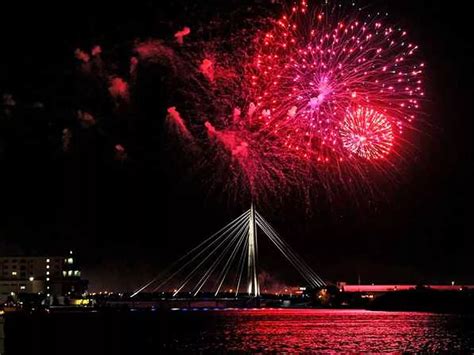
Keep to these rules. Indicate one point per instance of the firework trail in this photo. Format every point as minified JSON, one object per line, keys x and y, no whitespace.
{"x":181,"y":34}
{"x":207,"y":69}
{"x":82,"y":55}
{"x":96,"y":51}
{"x":176,"y":121}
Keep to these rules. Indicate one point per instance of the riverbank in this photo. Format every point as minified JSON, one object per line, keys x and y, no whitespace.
{"x":458,"y":302}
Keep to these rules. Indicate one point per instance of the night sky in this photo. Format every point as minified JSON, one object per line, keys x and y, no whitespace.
{"x":126,"y":220}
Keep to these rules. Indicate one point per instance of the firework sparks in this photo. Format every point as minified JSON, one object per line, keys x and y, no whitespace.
{"x":81,"y":55}
{"x":118,"y":89}
{"x":316,"y":63}
{"x":366,"y":133}
{"x":320,"y":95}
{"x":207,"y":69}
{"x":318,"y":86}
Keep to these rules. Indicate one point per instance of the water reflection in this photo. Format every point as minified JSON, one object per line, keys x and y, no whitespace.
{"x":328,"y":330}
{"x":259,"y":330}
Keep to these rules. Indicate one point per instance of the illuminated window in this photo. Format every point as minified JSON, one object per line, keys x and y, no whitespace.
{"x":70,"y":260}
{"x":77,"y":273}
{"x":47,"y":272}
{"x":47,"y":266}
{"x":47,"y":260}
{"x":31,"y":278}
{"x":64,"y":273}
{"x":69,"y":273}
{"x":22,"y":287}
{"x":13,"y":273}
{"x":47,"y":279}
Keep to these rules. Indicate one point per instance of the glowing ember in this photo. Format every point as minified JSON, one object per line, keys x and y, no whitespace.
{"x":118,"y":88}
{"x":81,"y":55}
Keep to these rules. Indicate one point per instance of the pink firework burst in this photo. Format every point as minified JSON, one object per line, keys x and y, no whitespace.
{"x":314,"y":64}
{"x":366,"y":133}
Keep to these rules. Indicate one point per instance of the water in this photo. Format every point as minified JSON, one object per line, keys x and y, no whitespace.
{"x":333,"y":330}
{"x":244,"y":330}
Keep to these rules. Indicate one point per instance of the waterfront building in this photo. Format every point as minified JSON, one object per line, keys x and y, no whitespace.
{"x":44,"y":275}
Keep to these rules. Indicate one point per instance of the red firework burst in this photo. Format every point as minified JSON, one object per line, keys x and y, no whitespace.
{"x":320,"y":85}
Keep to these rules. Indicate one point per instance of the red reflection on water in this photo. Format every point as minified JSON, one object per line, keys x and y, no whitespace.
{"x":329,"y":330}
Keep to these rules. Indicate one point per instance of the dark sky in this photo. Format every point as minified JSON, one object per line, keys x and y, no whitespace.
{"x":127,"y":220}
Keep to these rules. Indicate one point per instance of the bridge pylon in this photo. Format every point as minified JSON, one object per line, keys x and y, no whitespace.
{"x":227,"y":262}
{"x":253,"y":287}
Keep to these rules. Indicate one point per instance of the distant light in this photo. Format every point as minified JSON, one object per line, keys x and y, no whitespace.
{"x":47,"y":266}
{"x":31,"y":278}
{"x":14,"y":273}
{"x":22,"y":287}
{"x":47,"y":279}
{"x":452,"y":283}
{"x":47,"y":260}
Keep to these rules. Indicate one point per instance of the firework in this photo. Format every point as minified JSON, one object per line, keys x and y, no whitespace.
{"x":320,"y":95}
{"x":176,"y":122}
{"x":315,"y":64}
{"x":181,"y":34}
{"x":325,"y":94}
{"x":118,"y":89}
{"x":367,"y":133}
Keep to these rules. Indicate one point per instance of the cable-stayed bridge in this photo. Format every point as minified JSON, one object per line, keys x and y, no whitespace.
{"x":228,"y":257}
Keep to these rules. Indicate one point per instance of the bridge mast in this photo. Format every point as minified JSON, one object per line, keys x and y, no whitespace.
{"x":253,"y":286}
